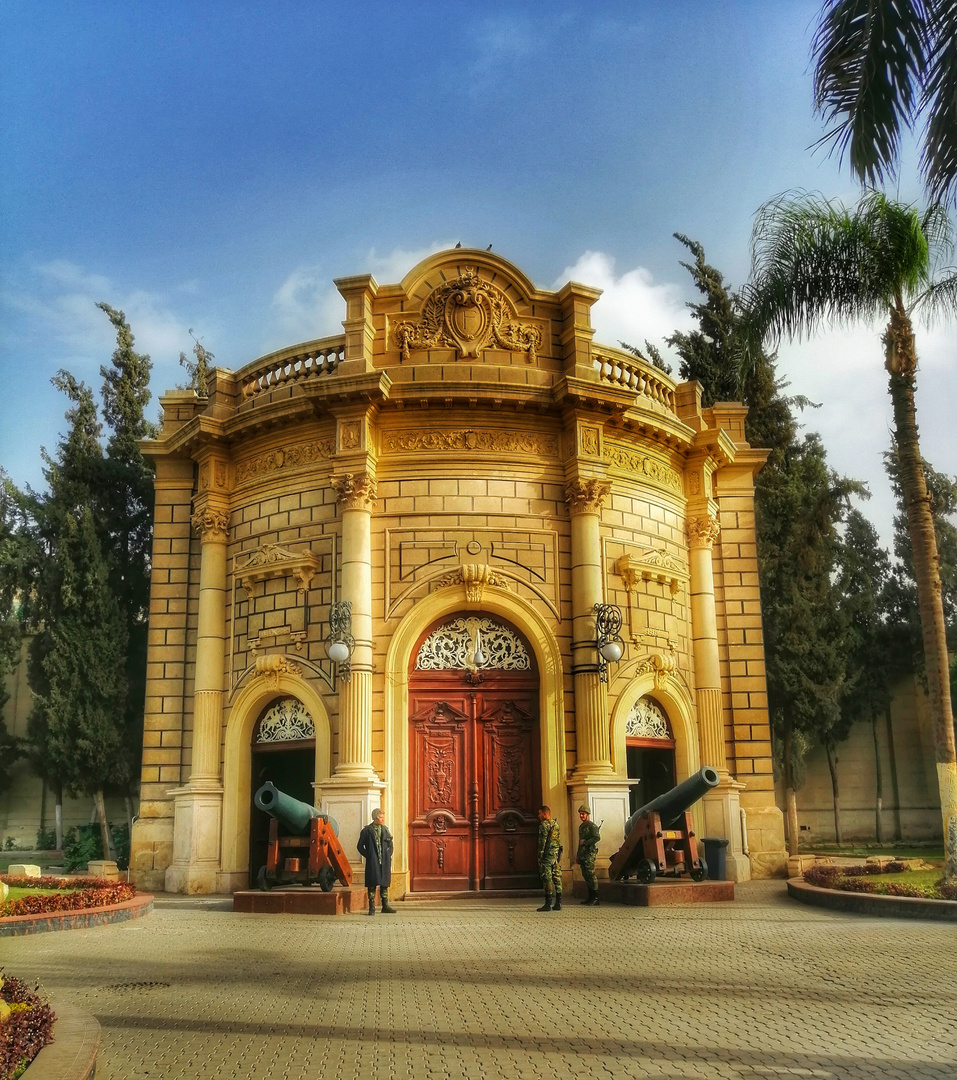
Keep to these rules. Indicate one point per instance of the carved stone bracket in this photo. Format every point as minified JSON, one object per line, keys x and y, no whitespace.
{"x":469,"y":315}
{"x":212,"y":525}
{"x":354,"y":491}
{"x":662,"y":665}
{"x":703,"y":531}
{"x":652,"y":564}
{"x":271,"y":667}
{"x":474,"y":576}
{"x":586,"y":496}
{"x":272,"y":561}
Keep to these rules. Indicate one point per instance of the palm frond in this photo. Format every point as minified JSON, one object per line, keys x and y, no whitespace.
{"x":939,"y":302}
{"x":939,"y":103}
{"x":869,"y":58}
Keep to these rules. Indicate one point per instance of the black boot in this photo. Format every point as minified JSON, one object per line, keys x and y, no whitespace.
{"x":371,"y":910}
{"x":386,"y":908}
{"x":547,"y":906}
{"x":558,"y":902}
{"x":592,"y":900}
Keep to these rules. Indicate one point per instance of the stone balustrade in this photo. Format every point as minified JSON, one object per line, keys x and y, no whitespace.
{"x":293,"y":366}
{"x":631,"y":374}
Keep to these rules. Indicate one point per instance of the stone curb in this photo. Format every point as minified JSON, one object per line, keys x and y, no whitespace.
{"x":893,"y":907}
{"x":17,"y":925}
{"x":72,"y":1054}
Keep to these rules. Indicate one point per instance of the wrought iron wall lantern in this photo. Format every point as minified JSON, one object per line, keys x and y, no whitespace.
{"x":340,"y":642}
{"x":608,"y":639}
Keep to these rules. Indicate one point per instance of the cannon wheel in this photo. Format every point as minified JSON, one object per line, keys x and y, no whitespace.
{"x":327,"y":878}
{"x":646,"y":872}
{"x":700,"y":872}
{"x":262,"y":881}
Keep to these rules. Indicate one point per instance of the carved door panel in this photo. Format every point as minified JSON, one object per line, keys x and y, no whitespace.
{"x":475,"y":786}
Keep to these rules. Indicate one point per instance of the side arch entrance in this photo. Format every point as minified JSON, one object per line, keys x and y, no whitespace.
{"x":474,"y":747}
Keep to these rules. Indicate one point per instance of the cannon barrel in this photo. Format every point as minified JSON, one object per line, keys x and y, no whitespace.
{"x":289,"y":812}
{"x":670,"y":806}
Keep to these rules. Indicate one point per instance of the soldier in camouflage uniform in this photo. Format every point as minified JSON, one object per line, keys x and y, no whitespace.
{"x":549,"y":851}
{"x":588,"y":836}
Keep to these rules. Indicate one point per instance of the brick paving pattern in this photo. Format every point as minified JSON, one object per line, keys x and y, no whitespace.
{"x":759,"y":988}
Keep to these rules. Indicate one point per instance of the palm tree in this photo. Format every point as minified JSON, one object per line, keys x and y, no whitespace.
{"x":883,"y":65}
{"x":814,"y":262}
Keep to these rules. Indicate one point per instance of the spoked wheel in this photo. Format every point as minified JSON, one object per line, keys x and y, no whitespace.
{"x":646,"y":872}
{"x":262,"y":881}
{"x":700,"y":872}
{"x":327,"y":878}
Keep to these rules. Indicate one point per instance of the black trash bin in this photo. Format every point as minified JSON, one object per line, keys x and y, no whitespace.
{"x":714,"y":848}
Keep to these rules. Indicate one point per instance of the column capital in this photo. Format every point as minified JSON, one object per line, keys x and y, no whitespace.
{"x":212,"y":524}
{"x":703,"y":531}
{"x":586,"y":496}
{"x":355,"y":491}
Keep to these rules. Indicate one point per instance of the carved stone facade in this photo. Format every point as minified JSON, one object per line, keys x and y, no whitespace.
{"x":467,"y":473}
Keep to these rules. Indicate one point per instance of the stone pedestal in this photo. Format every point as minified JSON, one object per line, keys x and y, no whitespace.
{"x":608,"y":799}
{"x":197,"y":824}
{"x":351,"y":803}
{"x":765,"y":841}
{"x":721,"y":812}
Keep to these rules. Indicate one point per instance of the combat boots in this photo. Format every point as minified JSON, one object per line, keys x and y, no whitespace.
{"x":547,"y":906}
{"x":592,"y":900}
{"x":371,"y":910}
{"x":387,"y":909}
{"x":558,"y":902}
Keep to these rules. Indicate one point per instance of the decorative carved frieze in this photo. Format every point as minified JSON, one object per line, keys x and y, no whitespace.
{"x":651,"y":564}
{"x":647,"y":721}
{"x":212,"y":525}
{"x":474,"y":576}
{"x":288,"y":720}
{"x":644,"y":465}
{"x":703,"y":531}
{"x":289,"y":457}
{"x":272,"y":561}
{"x":453,"y":646}
{"x":468,"y":315}
{"x":354,"y":491}
{"x":468,"y":439}
{"x":586,"y":496}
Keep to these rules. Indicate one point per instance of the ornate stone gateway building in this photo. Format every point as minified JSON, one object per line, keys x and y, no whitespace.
{"x":396,"y":567}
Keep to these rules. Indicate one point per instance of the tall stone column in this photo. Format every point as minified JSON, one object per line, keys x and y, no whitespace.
{"x":722,"y":810}
{"x":197,"y":815}
{"x":354,"y":790}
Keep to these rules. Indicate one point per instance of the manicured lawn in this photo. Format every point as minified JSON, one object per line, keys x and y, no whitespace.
{"x":16,"y":894}
{"x":924,"y":879}
{"x":861,"y":851}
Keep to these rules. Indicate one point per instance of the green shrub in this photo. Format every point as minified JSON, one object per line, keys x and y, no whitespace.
{"x":46,"y":839}
{"x":81,"y":844}
{"x":121,"y":844}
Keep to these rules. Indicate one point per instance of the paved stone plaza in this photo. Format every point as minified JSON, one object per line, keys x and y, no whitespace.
{"x":493,"y":989}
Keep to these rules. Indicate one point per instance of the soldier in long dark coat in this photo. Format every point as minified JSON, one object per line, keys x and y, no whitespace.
{"x":375,"y":846}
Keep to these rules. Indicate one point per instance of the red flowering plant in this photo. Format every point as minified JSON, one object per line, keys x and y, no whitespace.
{"x":73,"y":894}
{"x":26,"y":1026}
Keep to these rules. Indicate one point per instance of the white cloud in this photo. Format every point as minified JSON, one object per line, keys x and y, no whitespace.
{"x":306,"y":306}
{"x":632,"y":307}
{"x":388,"y":269}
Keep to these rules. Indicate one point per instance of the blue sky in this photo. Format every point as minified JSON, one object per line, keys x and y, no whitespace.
{"x":214,"y":166}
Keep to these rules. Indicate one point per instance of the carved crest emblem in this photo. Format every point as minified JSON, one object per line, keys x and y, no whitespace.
{"x":468,"y":314}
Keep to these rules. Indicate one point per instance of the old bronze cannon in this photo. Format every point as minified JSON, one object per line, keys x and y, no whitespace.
{"x":659,"y":837}
{"x":304,"y":827}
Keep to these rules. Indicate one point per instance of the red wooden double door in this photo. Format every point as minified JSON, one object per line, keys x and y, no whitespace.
{"x":475,"y":781}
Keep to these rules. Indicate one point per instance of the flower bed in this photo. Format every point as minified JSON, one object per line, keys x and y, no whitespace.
{"x":26,"y":1026}
{"x":73,"y":894}
{"x":854,"y":879}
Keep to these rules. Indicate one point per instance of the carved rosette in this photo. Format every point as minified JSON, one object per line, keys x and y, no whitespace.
{"x":355,"y":491}
{"x":586,"y":496}
{"x":212,"y":525}
{"x":474,"y":576}
{"x":703,"y":531}
{"x":468,"y":315}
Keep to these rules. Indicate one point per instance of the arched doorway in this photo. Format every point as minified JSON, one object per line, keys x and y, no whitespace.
{"x":475,"y":771}
{"x":284,"y":752}
{"x":650,"y":752}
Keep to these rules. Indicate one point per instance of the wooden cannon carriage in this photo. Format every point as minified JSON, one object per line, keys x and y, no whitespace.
{"x":659,"y":837}
{"x":307,"y":851}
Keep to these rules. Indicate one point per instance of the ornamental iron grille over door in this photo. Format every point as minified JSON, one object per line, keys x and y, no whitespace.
{"x":475,"y":784}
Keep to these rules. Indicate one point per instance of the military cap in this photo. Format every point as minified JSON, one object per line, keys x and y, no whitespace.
{"x":584,"y":809}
